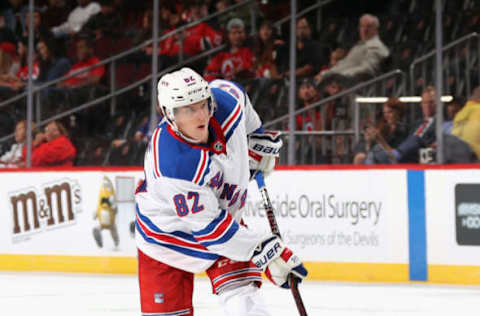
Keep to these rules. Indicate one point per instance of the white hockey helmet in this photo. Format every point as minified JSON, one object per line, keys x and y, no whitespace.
{"x":182,"y":88}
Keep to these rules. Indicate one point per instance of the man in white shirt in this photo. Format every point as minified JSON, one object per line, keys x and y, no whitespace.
{"x":365,"y":57}
{"x":77,"y":18}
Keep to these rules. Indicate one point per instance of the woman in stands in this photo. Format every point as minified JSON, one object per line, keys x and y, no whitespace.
{"x":390,"y":132}
{"x":53,"y":148}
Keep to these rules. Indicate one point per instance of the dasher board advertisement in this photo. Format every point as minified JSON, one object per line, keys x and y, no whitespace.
{"x":339,"y":215}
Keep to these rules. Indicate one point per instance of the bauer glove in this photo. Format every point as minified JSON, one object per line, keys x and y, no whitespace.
{"x":263,"y":149}
{"x":278,"y":261}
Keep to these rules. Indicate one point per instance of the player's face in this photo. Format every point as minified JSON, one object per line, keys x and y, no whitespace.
{"x":192,"y":120}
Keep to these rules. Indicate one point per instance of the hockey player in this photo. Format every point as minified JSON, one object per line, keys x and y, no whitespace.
{"x":189,"y":206}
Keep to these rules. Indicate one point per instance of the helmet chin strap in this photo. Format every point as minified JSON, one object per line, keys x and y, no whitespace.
{"x":188,"y":139}
{"x":180,"y":134}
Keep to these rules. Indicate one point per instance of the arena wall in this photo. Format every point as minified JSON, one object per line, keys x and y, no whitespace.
{"x":382,"y":224}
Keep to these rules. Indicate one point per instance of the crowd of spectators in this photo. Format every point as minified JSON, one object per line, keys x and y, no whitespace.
{"x":71,"y":36}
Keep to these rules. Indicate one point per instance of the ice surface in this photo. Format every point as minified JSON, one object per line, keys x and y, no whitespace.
{"x":54,"y":294}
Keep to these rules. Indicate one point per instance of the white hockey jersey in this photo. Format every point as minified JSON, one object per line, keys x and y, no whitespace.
{"x":189,"y":207}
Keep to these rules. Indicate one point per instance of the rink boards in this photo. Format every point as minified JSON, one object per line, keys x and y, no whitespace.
{"x":383,"y":224}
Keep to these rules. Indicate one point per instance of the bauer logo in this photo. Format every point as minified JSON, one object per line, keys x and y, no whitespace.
{"x":467,"y":213}
{"x":48,"y":206}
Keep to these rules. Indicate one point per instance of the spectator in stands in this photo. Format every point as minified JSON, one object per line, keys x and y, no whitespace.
{"x":423,"y":135}
{"x":466,"y":124}
{"x":310,"y":53}
{"x":53,"y":148}
{"x":56,"y":12}
{"x":365,"y":57}
{"x":77,"y":18}
{"x":265,"y":90}
{"x":265,"y":51}
{"x":236,"y":61}
{"x":18,"y":81}
{"x":51,"y":65}
{"x":85,"y":59}
{"x":39,"y":30}
{"x":310,"y":146}
{"x":337,"y":114}
{"x":80,"y":89}
{"x":197,"y":38}
{"x":13,"y":157}
{"x":307,"y":95}
{"x":143,"y":133}
{"x":128,"y":150}
{"x":9,"y":67}
{"x":195,"y":10}
{"x":390,"y":128}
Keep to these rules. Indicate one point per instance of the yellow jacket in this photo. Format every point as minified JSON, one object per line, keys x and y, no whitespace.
{"x":466,"y":125}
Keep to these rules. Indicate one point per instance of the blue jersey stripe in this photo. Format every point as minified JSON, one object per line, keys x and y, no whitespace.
{"x":183,"y":250}
{"x":207,"y":170}
{"x":213,"y":224}
{"x":154,"y":228}
{"x":234,"y":126}
{"x":226,"y":237}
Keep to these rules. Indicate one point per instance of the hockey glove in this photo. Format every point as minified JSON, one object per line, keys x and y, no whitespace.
{"x":278,"y":261}
{"x":263,"y":149}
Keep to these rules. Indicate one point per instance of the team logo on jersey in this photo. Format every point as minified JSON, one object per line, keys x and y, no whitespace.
{"x":218,"y":146}
{"x":158,"y":298}
{"x":229,"y":192}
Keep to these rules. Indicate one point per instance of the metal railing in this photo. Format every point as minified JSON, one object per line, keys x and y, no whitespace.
{"x":369,"y":87}
{"x":286,"y":19}
{"x":450,"y":62}
{"x":350,"y":90}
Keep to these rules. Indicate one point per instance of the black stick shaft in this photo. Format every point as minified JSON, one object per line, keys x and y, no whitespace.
{"x":276,"y":231}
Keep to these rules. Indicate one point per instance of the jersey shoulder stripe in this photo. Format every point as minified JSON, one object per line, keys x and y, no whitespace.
{"x":226,"y":104}
{"x":177,"y":159}
{"x":229,"y":111}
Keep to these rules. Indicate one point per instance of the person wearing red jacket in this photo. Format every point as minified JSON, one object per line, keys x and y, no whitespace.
{"x":235,"y":62}
{"x":85,"y":58}
{"x":196,"y":38}
{"x":53,"y":147}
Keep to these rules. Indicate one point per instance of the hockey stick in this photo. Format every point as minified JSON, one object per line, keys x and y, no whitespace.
{"x":276,"y":231}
